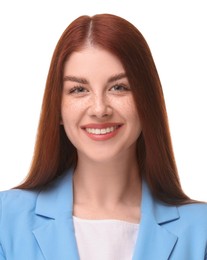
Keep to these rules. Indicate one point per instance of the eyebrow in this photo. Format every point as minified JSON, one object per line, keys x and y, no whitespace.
{"x":85,"y":81}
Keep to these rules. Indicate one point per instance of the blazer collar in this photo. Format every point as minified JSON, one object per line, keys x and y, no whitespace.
{"x":56,"y":235}
{"x":55,"y":206}
{"x":154,"y":240}
{"x":57,"y":198}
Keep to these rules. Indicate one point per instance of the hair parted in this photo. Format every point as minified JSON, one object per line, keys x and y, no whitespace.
{"x":54,"y":153}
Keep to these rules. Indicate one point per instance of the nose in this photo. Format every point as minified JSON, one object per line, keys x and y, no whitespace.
{"x":100,"y":107}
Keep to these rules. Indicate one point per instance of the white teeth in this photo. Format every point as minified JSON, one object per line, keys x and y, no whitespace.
{"x":101,"y":131}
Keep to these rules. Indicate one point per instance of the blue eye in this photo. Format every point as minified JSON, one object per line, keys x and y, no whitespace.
{"x":120,"y":88}
{"x":77,"y":90}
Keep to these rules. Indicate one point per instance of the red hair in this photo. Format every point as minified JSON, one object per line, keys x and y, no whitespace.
{"x":54,"y":153}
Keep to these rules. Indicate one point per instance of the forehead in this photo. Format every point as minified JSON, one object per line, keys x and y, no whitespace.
{"x":92,"y":61}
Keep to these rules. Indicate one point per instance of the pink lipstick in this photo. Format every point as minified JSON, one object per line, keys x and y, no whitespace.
{"x":102,"y":132}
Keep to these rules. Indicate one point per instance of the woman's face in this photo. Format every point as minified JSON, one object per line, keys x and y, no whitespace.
{"x":98,"y":111}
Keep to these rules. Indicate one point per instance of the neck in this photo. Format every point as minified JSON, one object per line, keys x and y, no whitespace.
{"x":107,"y":184}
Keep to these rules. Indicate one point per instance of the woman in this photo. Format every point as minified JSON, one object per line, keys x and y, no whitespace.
{"x":103,"y":183}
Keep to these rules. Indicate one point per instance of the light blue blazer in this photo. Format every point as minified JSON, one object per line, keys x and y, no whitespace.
{"x":39,"y":225}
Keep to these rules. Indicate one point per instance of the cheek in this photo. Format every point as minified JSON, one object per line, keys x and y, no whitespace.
{"x":69,"y":114}
{"x":68,"y":105}
{"x":70,"y":109}
{"x":128,"y":107}
{"x":133,"y":116}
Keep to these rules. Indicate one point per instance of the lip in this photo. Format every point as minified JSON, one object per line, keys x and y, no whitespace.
{"x":102,"y":137}
{"x":100,"y":126}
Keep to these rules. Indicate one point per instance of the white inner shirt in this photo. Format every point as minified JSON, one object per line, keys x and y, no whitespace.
{"x":107,"y":239}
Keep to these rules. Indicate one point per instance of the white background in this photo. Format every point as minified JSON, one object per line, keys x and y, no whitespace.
{"x":177,"y":35}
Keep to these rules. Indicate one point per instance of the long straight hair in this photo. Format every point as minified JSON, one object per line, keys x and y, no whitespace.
{"x":54,"y":153}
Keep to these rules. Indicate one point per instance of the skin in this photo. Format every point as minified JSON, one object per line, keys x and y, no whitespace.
{"x":97,"y":95}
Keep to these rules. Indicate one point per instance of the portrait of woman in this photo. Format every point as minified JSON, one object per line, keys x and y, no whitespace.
{"x":103,"y":182}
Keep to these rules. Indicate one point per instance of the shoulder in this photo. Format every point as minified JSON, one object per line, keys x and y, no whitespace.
{"x":194,"y":213}
{"x":17,"y":213}
{"x":18,"y":194}
{"x":14,"y":201}
{"x":191,"y":222}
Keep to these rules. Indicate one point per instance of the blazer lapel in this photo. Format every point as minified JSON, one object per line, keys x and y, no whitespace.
{"x":56,"y":236}
{"x":154,"y":240}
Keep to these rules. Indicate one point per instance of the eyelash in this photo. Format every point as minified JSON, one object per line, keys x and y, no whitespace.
{"x":81,"y":89}
{"x":124,"y":87}
{"x":76,"y":90}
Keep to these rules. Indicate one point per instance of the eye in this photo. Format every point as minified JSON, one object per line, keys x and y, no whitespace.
{"x":77,"y":90}
{"x":120,"y":88}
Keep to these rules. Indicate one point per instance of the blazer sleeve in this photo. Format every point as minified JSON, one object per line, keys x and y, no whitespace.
{"x":2,"y":257}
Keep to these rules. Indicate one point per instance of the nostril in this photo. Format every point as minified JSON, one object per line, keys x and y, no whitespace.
{"x":100,"y":111}
{"x":105,"y":115}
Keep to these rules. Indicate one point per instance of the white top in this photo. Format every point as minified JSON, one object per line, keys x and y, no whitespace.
{"x":106,"y":239}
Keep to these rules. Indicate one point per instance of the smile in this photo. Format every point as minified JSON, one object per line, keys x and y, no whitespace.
{"x":102,"y":131}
